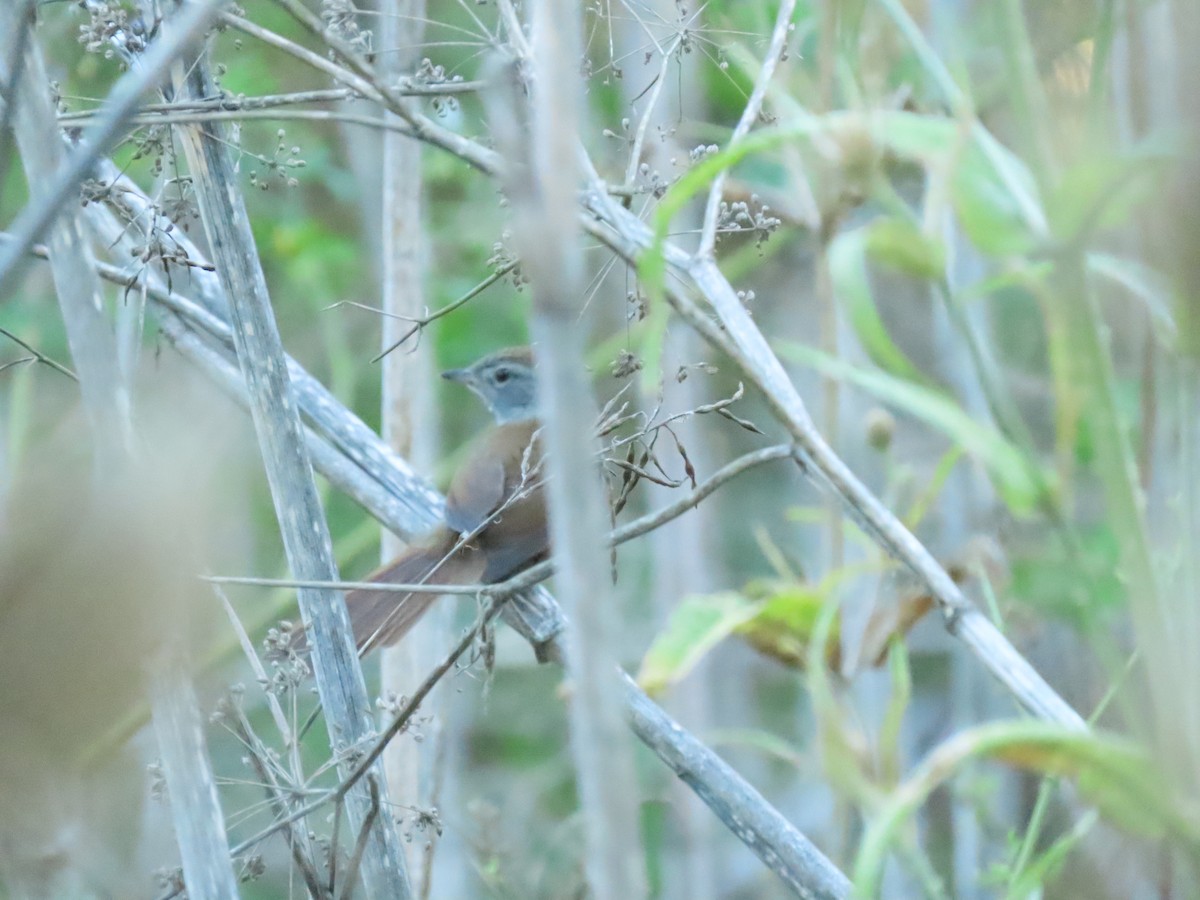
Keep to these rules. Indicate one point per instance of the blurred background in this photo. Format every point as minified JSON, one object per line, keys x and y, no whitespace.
{"x":980,"y":264}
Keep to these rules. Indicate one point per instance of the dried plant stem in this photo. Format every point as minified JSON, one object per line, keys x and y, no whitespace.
{"x":147,"y":111}
{"x":178,"y":33}
{"x":409,"y":424}
{"x":297,"y":839}
{"x":543,"y":180}
{"x":779,"y":36}
{"x":275,"y":412}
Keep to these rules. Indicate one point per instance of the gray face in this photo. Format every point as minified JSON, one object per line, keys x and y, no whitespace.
{"x":506,"y":385}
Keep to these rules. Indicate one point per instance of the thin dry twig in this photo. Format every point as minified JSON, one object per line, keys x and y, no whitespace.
{"x":38,"y":355}
{"x":779,"y":37}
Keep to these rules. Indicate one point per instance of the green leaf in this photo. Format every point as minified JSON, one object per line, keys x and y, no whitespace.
{"x":900,"y":244}
{"x":1012,"y":472}
{"x":851,"y":281}
{"x":697,"y":625}
{"x":990,"y":215}
{"x":1115,"y":774}
{"x":785,"y":620}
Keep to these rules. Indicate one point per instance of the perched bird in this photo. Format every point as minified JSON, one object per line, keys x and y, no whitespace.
{"x":495,"y":511}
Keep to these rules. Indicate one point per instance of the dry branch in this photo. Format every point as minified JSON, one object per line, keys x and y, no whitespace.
{"x":539,"y":146}
{"x":298,"y":509}
{"x":178,"y":33}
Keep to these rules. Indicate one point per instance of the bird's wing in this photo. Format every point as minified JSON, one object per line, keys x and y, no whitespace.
{"x":475,"y":493}
{"x":490,"y":476}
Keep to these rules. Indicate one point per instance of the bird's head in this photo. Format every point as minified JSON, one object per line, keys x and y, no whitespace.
{"x":505,"y":381}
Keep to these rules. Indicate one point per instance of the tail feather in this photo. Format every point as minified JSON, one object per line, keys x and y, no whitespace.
{"x":380,"y":618}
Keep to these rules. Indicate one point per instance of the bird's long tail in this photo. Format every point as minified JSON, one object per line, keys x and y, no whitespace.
{"x":380,"y":618}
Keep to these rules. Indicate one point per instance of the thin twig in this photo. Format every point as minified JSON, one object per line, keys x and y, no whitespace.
{"x":295,"y":838}
{"x":639,"y":137}
{"x":406,"y":88}
{"x":779,"y":37}
{"x":39,"y":356}
{"x":360,"y":845}
{"x":378,"y":586}
{"x":360,"y":85}
{"x":470,"y":295}
{"x":254,"y":115}
{"x":424,"y":128}
{"x":260,"y":673}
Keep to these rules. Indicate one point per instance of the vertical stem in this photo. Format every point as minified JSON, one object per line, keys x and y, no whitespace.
{"x":546,"y":179}
{"x":830,"y":397}
{"x":195,"y":808}
{"x":90,"y":338}
{"x":285,"y":455}
{"x":694,"y":870}
{"x":409,"y":423}
{"x":1181,"y":246}
{"x":823,"y":289}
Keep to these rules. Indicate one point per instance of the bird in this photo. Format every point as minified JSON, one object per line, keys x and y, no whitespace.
{"x":495,"y":521}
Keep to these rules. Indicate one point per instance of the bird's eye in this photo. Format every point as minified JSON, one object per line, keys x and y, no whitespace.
{"x":501,"y":376}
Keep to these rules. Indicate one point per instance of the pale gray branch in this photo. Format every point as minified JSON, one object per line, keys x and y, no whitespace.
{"x":788,"y":853}
{"x":276,"y":416}
{"x":178,"y":33}
{"x":544,"y":177}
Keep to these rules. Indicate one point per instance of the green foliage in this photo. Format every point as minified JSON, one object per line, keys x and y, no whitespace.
{"x":1113,"y":773}
{"x":1012,"y":472}
{"x":697,"y":624}
{"x":848,"y":268}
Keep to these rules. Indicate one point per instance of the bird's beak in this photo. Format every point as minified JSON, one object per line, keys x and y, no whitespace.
{"x":462,"y":376}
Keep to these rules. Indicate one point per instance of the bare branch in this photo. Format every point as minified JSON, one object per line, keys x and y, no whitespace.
{"x":779,"y":37}
{"x":541,"y":152}
{"x":407,"y":87}
{"x":177,"y":34}
{"x":298,"y":509}
{"x":39,"y":356}
{"x":788,"y":853}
